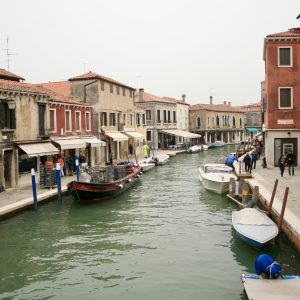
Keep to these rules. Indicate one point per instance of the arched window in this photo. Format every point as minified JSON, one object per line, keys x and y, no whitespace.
{"x":233,"y":121}
{"x":223,"y":121}
{"x":208,"y":121}
{"x":241,"y":122}
{"x":228,"y":120}
{"x":213,"y":121}
{"x":198,"y":123}
{"x":218,"y":121}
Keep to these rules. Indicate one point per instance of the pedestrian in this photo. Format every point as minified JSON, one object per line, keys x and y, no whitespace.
{"x":145,"y":150}
{"x":229,"y":161}
{"x":290,"y":158}
{"x":60,"y":160}
{"x":70,"y":165}
{"x":253,"y":159}
{"x":282,"y":164}
{"x":247,"y":162}
{"x":81,"y":158}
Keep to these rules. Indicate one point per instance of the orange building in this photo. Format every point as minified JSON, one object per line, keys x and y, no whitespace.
{"x":281,"y":94}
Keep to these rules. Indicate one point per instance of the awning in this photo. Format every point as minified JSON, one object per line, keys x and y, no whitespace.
{"x":182,"y":133}
{"x":251,"y":129}
{"x":135,"y":134}
{"x":93,"y":141}
{"x":70,"y":143}
{"x":39,"y":149}
{"x":117,"y":136}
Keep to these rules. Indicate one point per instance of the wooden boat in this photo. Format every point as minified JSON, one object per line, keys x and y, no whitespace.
{"x":102,"y":183}
{"x":254,"y":226}
{"x":285,"y":287}
{"x":215,"y":177}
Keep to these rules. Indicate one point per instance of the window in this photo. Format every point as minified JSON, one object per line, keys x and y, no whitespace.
{"x":144,"y":119}
{"x":68,"y":120}
{"x":78,"y":120}
{"x":52,"y":119}
{"x":169,"y":116}
{"x":7,"y":115}
{"x":218,"y":121}
{"x":111,"y":87}
{"x":102,"y":85}
{"x":198,"y":123}
{"x":124,"y":93}
{"x":233,"y":121}
{"x":208,"y":121}
{"x":131,"y":120}
{"x":285,"y":98}
{"x":130,"y":93}
{"x":124,"y":119}
{"x":112,"y":119}
{"x":165,"y":116}
{"x":118,"y":90}
{"x":148,"y":135}
{"x":103,"y":119}
{"x":174,"y":117}
{"x":158,"y":116}
{"x":88,"y":121}
{"x":241,"y":122}
{"x":148,"y":115}
{"x":138,"y":120}
{"x":284,"y":57}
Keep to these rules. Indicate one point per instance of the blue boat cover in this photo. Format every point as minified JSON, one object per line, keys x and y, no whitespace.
{"x":268,"y":265}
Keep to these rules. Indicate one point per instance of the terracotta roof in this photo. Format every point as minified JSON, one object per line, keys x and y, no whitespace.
{"x":147,"y":97}
{"x":20,"y":87}
{"x":59,"y":87}
{"x":92,"y":75}
{"x":293,"y":32}
{"x":216,"y":107}
{"x":176,"y":100}
{"x":10,"y":76}
{"x":254,"y":107}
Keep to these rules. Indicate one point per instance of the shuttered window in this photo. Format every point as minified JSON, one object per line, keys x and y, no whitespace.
{"x":285,"y":56}
{"x":285,"y":97}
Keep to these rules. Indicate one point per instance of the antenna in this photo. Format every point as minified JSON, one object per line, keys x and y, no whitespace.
{"x":8,"y":53}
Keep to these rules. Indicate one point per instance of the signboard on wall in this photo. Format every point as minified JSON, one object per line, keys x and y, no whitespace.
{"x":285,"y":122}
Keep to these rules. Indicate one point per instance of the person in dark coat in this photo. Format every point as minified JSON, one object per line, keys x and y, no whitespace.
{"x":247,"y":162}
{"x":291,"y":159}
{"x":253,"y":159}
{"x":282,"y":164}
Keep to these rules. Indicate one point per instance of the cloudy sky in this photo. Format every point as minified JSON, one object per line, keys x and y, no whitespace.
{"x":168,"y":47}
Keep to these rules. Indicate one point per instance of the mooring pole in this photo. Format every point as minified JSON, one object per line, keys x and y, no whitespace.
{"x":272,"y":197}
{"x":77,"y":169}
{"x":58,"y":180}
{"x":283,"y":208}
{"x":34,"y":188}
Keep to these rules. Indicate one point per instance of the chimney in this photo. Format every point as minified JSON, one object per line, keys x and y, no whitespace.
{"x":225,"y":102}
{"x":210,"y":99}
{"x":229,"y":103}
{"x":183,"y":97}
{"x":141,"y":94}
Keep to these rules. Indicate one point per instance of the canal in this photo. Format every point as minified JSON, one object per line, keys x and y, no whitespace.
{"x":166,"y":238}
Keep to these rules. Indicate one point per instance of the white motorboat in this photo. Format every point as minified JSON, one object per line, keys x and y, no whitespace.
{"x":159,"y":159}
{"x":204,"y":147}
{"x":194,"y":149}
{"x":146,"y":166}
{"x":217,"y":144}
{"x":254,"y":227}
{"x":216,"y":177}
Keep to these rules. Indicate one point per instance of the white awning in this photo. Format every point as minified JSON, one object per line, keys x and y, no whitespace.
{"x":135,"y":134}
{"x":66,"y":143}
{"x":182,"y":133}
{"x":39,"y":149}
{"x":117,"y":136}
{"x":93,"y":141}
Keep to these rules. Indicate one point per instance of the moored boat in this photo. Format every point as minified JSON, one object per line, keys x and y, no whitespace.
{"x":101,"y":183}
{"x":146,"y":166}
{"x":254,"y":227}
{"x":194,"y":149}
{"x":215,"y":177}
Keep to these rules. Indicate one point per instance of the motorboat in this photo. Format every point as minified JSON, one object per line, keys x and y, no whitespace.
{"x":146,"y":166}
{"x":254,"y":227}
{"x":217,"y":144}
{"x":216,"y":177}
{"x":159,"y":159}
{"x":204,"y":147}
{"x":194,"y":149}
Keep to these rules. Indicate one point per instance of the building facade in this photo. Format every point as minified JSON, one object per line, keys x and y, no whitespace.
{"x":217,"y":122}
{"x":281,"y":95}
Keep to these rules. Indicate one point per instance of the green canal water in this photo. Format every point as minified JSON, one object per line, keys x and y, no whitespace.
{"x":166,"y":238}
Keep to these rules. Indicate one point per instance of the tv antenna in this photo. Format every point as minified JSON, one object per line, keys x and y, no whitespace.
{"x":8,"y":53}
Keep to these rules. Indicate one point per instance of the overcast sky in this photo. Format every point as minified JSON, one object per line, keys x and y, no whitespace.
{"x":168,"y":47}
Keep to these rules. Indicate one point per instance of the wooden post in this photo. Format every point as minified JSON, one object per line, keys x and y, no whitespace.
{"x":255,"y":195}
{"x":231,"y":187}
{"x":283,"y":208}
{"x":240,"y":167}
{"x":245,"y":193}
{"x":272,"y":197}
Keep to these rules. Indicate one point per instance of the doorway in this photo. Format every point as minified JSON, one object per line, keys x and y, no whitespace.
{"x":8,"y":160}
{"x":285,"y":146}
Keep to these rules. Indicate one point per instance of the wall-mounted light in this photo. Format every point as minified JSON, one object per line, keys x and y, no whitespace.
{"x":11,"y":104}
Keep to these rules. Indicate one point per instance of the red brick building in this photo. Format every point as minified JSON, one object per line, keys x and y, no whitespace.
{"x":281,"y":94}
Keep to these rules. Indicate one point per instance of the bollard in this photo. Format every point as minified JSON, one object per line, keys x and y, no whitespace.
{"x":231,"y":187}
{"x":255,"y":195}
{"x":34,"y":188}
{"x":237,"y":188}
{"x":77,"y":169}
{"x":245,"y":193}
{"x":58,"y":179}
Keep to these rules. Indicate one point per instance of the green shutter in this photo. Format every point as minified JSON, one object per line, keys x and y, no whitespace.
{"x":1,"y":114}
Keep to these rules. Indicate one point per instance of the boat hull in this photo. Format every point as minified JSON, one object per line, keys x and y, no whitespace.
{"x":87,"y":192}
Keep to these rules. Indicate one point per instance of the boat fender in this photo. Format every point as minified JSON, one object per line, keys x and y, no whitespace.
{"x":121,"y":186}
{"x":267,"y":265}
{"x":129,"y":180}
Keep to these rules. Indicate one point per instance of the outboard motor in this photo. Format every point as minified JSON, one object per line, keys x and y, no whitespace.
{"x":267,"y":266}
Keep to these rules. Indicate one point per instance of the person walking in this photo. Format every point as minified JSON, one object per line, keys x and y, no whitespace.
{"x":60,"y":160}
{"x":253,"y":159}
{"x":145,"y":150}
{"x":290,"y":158}
{"x":247,"y":162}
{"x":282,"y":164}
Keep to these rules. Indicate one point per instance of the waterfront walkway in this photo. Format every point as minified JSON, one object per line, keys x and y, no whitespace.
{"x":13,"y":200}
